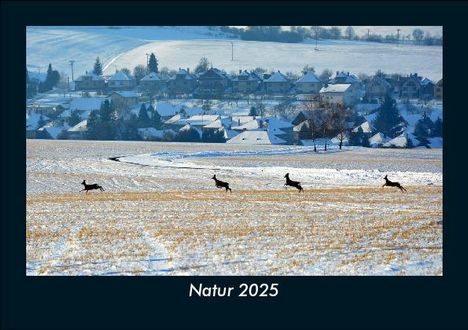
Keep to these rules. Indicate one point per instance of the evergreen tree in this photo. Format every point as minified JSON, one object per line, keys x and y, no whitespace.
{"x":358,"y":138}
{"x":105,"y":112}
{"x":41,"y":122}
{"x":423,"y":130}
{"x":190,"y":135}
{"x":253,"y":112}
{"x":438,"y":128}
{"x":74,"y":118}
{"x":93,"y":125}
{"x":388,"y":120}
{"x":143,"y":118}
{"x":153,"y":64}
{"x":131,"y":129}
{"x":97,"y":70}
{"x":156,"y":121}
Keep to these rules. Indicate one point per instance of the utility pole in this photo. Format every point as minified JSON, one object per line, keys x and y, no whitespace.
{"x":71,"y":64}
{"x":368,"y":34}
{"x":316,"y":38}
{"x":398,"y":37}
{"x":147,"y":63}
{"x":232,"y":51}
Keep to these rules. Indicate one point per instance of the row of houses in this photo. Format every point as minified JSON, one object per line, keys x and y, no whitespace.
{"x":217,"y":83}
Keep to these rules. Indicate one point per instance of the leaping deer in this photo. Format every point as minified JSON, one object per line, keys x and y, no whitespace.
{"x":221,"y":184}
{"x":393,"y":184}
{"x":292,"y":183}
{"x":88,"y":187}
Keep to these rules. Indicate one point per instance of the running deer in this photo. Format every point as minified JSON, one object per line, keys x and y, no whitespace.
{"x":393,"y":184}
{"x":88,"y":187}
{"x":221,"y":184}
{"x":292,"y":183}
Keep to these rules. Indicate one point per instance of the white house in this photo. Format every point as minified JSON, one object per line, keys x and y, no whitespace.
{"x":344,"y":94}
{"x":308,"y":84}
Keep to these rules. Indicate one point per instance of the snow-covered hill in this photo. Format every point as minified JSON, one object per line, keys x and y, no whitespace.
{"x":184,"y":46}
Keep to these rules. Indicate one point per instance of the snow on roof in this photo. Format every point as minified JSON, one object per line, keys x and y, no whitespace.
{"x":400,"y":141}
{"x":54,"y":129}
{"x":366,"y":127}
{"x":277,"y":123}
{"x":256,"y":137}
{"x":201,"y":120}
{"x":174,"y":119}
{"x":166,"y":109}
{"x":89,"y":75}
{"x":377,"y":139}
{"x":277,"y":77}
{"x":229,"y":133}
{"x":193,"y":111}
{"x":152,"y":76}
{"x":127,"y":93}
{"x":335,"y":88}
{"x":215,"y":124}
{"x":119,"y":76}
{"x":82,"y":126}
{"x":151,"y":132}
{"x":345,"y":78}
{"x":250,"y":125}
{"x":188,"y":127}
{"x":309,"y":77}
{"x":32,"y":120}
{"x":86,"y":103}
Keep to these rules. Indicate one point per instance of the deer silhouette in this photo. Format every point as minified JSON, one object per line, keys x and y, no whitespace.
{"x":292,"y":183}
{"x":88,"y":187}
{"x":221,"y":184}
{"x":393,"y":184}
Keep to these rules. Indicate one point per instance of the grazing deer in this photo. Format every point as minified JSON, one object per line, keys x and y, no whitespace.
{"x":88,"y":187}
{"x":221,"y":184}
{"x":292,"y":183}
{"x":393,"y":184}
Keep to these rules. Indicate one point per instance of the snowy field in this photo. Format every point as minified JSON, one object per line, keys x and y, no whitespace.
{"x":162,"y":215}
{"x":184,"y":46}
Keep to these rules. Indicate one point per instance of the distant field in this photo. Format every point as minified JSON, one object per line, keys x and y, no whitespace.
{"x":163,"y":220}
{"x":183,"y":47}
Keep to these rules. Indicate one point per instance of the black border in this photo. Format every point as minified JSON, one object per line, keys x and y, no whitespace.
{"x":161,"y":302}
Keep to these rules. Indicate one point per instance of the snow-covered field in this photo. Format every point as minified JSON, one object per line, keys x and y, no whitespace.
{"x":183,"y":47}
{"x":162,"y":215}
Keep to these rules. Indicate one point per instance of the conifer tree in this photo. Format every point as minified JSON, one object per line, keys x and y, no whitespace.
{"x":153,"y":64}
{"x":143,"y":118}
{"x":388,"y":120}
{"x":97,"y":70}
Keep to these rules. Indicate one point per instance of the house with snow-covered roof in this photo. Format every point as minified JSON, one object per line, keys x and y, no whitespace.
{"x":378,"y":87}
{"x":123,"y":101}
{"x":277,"y":83}
{"x":182,"y":83}
{"x":438,"y":89}
{"x":257,"y":137}
{"x":245,"y":82}
{"x":308,"y":84}
{"x":345,"y":78}
{"x":90,"y":82}
{"x":153,"y":82}
{"x":84,"y":104}
{"x":343,"y":94}
{"x":411,"y":87}
{"x":79,"y":131}
{"x":53,"y":130}
{"x":120,"y":81}
{"x":212,"y":83}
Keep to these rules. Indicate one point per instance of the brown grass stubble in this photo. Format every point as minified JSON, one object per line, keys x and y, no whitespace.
{"x":317,"y":222}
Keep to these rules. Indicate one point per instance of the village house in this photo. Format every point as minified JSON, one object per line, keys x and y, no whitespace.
{"x":153,"y":83}
{"x":257,"y":137}
{"x":411,"y":87}
{"x":123,"y":101}
{"x":343,"y":94}
{"x":90,"y":82}
{"x":212,"y":83}
{"x":84,"y":105}
{"x":277,"y":83}
{"x":378,"y":88}
{"x":308,"y":84}
{"x":79,"y":131}
{"x":182,"y":83}
{"x":426,"y":91}
{"x":246,"y":82}
{"x":345,"y":78}
{"x":438,"y":90}
{"x":120,"y":81}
